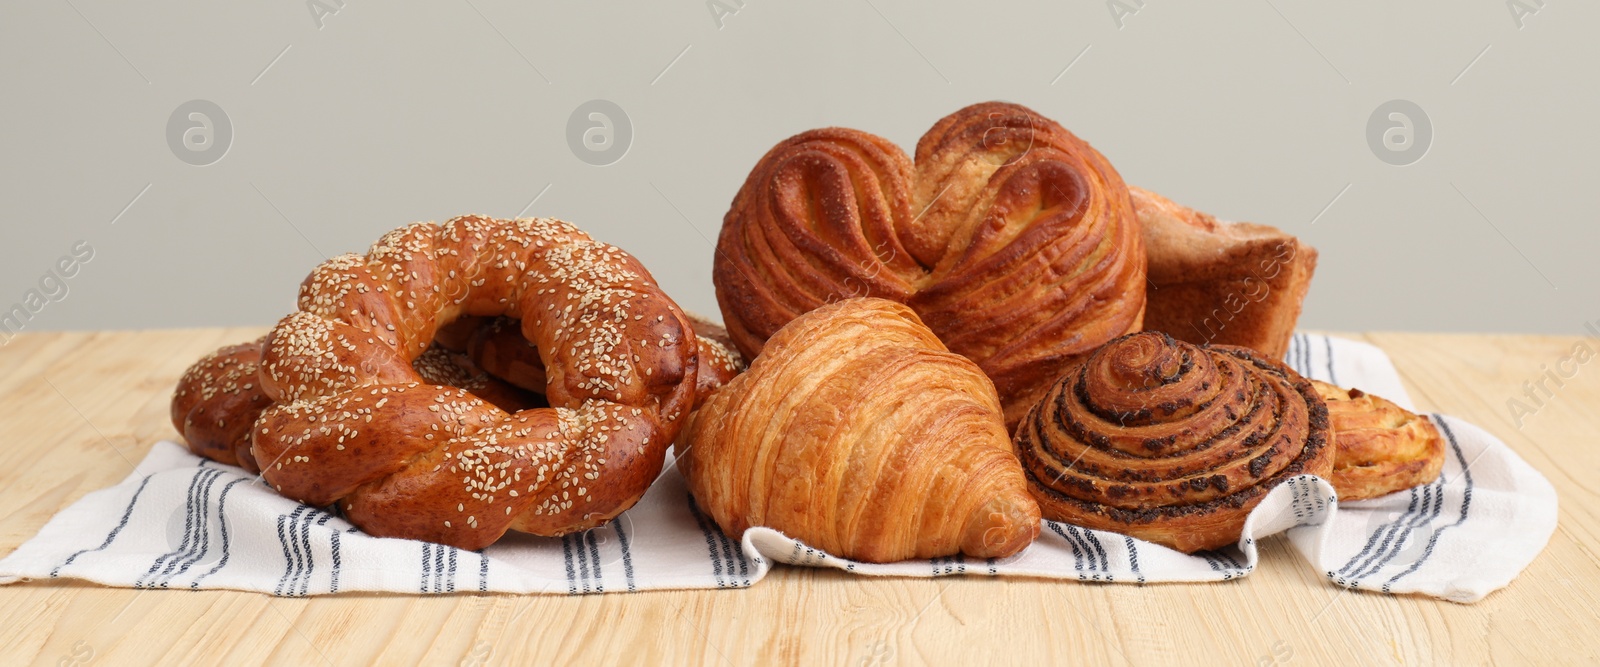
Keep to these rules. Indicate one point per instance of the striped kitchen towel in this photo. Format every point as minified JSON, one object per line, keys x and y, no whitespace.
{"x":183,"y":522}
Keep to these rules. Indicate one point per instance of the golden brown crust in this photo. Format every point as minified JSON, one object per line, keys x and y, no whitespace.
{"x":858,"y":433}
{"x":1381,"y":447}
{"x":719,"y":360}
{"x":499,"y":348}
{"x":1014,"y":241}
{"x":220,"y":396}
{"x":1222,"y":283}
{"x":217,"y":400}
{"x":353,"y":420}
{"x":1171,"y":442}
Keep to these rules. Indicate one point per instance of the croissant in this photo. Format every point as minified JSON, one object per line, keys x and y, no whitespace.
{"x":1013,"y":239}
{"x":1171,"y":442}
{"x":1380,"y":447}
{"x":858,"y":433}
{"x":341,"y":411}
{"x":1222,"y":283}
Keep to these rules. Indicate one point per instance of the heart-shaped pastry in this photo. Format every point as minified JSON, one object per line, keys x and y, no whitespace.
{"x":858,"y":433}
{"x":1015,"y":241}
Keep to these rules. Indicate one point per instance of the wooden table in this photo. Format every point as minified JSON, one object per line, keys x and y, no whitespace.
{"x":78,"y":409}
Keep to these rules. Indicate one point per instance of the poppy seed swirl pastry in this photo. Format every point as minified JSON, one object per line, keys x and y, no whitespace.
{"x":346,"y":414}
{"x":1014,"y":240}
{"x":1171,"y":442}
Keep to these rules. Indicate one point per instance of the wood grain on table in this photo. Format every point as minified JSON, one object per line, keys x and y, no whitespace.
{"x":78,"y":410}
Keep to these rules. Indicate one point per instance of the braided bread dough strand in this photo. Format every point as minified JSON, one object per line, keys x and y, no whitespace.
{"x":499,"y":349}
{"x":220,"y":397}
{"x":354,"y":423}
{"x":217,"y":400}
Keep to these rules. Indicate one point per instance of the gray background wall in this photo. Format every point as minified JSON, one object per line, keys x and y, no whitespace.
{"x":389,"y":112}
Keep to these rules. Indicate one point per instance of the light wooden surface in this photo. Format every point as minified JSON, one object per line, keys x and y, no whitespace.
{"x":78,"y":409}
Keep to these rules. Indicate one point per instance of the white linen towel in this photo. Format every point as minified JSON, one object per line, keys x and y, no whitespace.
{"x":183,"y":522}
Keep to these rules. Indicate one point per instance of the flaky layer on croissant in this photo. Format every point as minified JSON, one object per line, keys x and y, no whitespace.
{"x":1381,"y":447}
{"x":1171,"y":442}
{"x":1013,"y":239}
{"x":858,"y":433}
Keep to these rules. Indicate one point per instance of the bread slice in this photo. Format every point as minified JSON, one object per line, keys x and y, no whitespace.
{"x":1217,"y":282}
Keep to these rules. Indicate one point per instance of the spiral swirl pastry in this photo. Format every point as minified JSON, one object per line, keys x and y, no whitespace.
{"x":1171,"y":442}
{"x":1013,"y":239}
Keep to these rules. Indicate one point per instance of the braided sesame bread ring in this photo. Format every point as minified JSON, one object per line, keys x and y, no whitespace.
{"x":219,"y":397}
{"x":354,"y":423}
